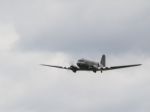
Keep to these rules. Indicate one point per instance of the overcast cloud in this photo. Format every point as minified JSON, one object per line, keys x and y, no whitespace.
{"x":74,"y":26}
{"x":59,"y":32}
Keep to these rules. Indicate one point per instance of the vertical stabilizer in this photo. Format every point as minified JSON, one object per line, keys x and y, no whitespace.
{"x":103,"y":61}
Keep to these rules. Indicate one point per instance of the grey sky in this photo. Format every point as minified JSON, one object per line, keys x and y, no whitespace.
{"x":74,"y":26}
{"x":58,"y":32}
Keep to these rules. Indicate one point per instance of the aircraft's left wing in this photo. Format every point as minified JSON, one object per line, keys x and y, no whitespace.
{"x":61,"y":67}
{"x":119,"y":67}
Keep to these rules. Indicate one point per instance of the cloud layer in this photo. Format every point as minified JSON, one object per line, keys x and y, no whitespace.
{"x":28,"y":87}
{"x":74,"y":26}
{"x":57,"y":32}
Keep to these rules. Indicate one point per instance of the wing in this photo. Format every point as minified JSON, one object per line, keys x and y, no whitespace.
{"x":119,"y":67}
{"x":61,"y":67}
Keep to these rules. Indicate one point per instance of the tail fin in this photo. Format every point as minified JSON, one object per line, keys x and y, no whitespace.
{"x":103,"y":60}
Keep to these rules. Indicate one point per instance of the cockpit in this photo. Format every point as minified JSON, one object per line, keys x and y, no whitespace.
{"x":81,"y":60}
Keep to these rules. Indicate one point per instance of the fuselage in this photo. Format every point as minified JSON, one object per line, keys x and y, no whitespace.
{"x":87,"y":64}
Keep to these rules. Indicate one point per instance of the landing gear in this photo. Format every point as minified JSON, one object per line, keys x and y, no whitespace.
{"x":74,"y":71}
{"x":94,"y":70}
{"x":101,"y":71}
{"x":73,"y":68}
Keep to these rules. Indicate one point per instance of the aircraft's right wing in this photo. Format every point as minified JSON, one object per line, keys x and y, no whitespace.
{"x":119,"y":67}
{"x":56,"y":66}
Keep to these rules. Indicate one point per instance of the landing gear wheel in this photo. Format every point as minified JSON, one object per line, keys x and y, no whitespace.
{"x":94,"y":71}
{"x":74,"y":71}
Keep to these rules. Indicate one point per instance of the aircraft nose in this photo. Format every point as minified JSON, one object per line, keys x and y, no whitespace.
{"x":79,"y":63}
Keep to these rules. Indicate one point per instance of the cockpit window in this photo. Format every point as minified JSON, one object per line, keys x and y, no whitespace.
{"x":81,"y":60}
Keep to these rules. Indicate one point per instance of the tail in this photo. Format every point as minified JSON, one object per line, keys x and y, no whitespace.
{"x":103,"y":61}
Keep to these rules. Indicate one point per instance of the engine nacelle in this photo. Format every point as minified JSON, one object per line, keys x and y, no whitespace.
{"x":73,"y":68}
{"x":94,"y":68}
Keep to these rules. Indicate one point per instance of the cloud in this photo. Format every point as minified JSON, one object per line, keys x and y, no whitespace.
{"x":77,"y":26}
{"x":57,"y":32}
{"x":26,"y":86}
{"x":8,"y":36}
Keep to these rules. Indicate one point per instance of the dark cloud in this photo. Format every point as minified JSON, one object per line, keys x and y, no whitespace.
{"x":81,"y":26}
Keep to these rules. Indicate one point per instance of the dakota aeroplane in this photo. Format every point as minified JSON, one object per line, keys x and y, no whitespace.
{"x":87,"y":65}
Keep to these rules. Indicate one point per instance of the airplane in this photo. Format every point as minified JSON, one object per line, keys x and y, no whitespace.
{"x":88,"y":65}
